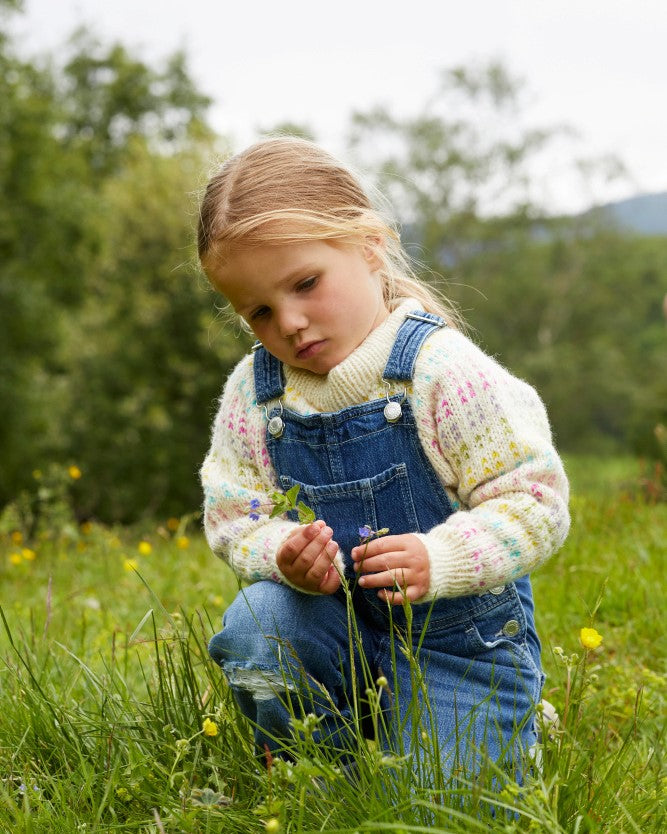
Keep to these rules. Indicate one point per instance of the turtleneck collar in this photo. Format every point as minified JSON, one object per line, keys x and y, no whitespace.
{"x":358,"y":376}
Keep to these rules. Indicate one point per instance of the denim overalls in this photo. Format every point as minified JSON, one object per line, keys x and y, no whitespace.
{"x":479,"y":655}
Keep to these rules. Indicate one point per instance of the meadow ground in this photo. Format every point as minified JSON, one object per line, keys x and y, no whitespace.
{"x":112,"y":718}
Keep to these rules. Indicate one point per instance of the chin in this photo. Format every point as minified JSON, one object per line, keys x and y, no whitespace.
{"x":321,"y":370}
{"x":322,"y":367}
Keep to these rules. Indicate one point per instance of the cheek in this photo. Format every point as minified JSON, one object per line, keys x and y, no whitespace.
{"x":326,"y":307}
{"x":263,"y":333}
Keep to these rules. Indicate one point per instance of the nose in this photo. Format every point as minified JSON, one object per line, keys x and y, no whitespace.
{"x":291,"y":320}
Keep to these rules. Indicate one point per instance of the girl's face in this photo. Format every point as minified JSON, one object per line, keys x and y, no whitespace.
{"x":310,"y":304}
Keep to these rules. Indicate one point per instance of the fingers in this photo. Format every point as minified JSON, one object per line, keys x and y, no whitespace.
{"x":396,"y":592}
{"x":306,"y":558}
{"x":397,"y":565}
{"x":318,"y":551}
{"x":382,"y":546}
{"x":397,"y":585}
{"x":397,"y":578}
{"x":302,"y":538}
{"x":412,"y":594}
{"x":384,"y":562}
{"x":331,"y":581}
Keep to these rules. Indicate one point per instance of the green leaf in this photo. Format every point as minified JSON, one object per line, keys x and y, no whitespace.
{"x":292,"y":495}
{"x":306,"y":514}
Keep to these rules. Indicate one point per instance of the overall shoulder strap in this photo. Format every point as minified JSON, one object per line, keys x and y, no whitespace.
{"x":412,"y":334}
{"x":269,"y":383}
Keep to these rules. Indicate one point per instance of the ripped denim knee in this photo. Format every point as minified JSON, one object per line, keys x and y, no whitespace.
{"x":273,"y":690}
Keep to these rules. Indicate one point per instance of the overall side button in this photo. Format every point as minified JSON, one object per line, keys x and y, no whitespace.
{"x":511,"y":628}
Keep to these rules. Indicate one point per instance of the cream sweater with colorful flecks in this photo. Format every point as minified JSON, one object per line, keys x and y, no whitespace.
{"x":485,"y":432}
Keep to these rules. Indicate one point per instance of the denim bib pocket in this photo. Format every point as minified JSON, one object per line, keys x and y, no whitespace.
{"x":384,"y":500}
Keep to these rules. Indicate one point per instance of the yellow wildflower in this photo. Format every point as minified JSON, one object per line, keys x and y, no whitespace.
{"x":86,"y":528}
{"x":28,"y":554}
{"x":15,"y":558}
{"x":145,"y":548}
{"x":590,"y":638}
{"x":37,"y":474}
{"x":210,"y":728}
{"x":131,"y":564}
{"x":17,"y":537}
{"x":172,"y":524}
{"x":74,"y":472}
{"x":183,"y":542}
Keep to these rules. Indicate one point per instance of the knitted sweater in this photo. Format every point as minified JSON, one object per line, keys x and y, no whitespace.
{"x":485,"y":432}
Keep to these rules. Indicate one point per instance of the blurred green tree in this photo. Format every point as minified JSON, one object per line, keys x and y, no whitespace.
{"x":568,"y":303}
{"x":45,"y":241}
{"x":110,"y":96}
{"x":105,"y":324}
{"x":146,"y":357}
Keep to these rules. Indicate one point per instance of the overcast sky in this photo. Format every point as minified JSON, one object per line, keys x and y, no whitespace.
{"x":597,"y":65}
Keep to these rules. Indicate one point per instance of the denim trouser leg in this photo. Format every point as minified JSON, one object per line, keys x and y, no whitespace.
{"x":477,"y":708}
{"x":283,"y":651}
{"x":286,"y":653}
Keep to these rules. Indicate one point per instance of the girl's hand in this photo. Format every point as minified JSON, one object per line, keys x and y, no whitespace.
{"x":306,"y":558}
{"x":397,"y":562}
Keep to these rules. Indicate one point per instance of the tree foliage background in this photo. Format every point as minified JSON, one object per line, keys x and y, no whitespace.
{"x":112,"y":349}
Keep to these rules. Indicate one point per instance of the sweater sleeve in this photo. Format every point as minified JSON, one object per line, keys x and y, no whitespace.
{"x":488,"y":436}
{"x":236,"y":472}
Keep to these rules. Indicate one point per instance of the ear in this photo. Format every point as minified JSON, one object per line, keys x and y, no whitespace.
{"x":373,"y":246}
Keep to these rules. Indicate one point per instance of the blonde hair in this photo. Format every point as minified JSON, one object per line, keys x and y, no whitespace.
{"x":286,"y":189}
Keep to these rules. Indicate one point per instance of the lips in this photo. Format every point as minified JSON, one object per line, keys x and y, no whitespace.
{"x":309,"y":349}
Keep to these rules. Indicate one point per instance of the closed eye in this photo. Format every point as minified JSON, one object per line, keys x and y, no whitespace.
{"x":259,"y":313}
{"x":308,"y":284}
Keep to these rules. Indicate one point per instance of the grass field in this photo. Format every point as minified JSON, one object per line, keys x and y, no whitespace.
{"x":112,"y":718}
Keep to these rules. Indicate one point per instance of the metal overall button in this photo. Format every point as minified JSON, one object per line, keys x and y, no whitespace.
{"x":392,"y":411}
{"x":276,"y":424}
{"x":497,"y":590}
{"x":511,"y":628}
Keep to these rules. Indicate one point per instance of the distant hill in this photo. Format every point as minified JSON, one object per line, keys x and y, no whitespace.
{"x":645,"y":214}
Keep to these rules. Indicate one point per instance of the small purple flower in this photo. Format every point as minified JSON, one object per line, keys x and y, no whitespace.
{"x":365,"y":532}
{"x":254,"y":516}
{"x":255,"y":504}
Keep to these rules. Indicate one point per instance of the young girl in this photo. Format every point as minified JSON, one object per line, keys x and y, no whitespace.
{"x":362,"y":391}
